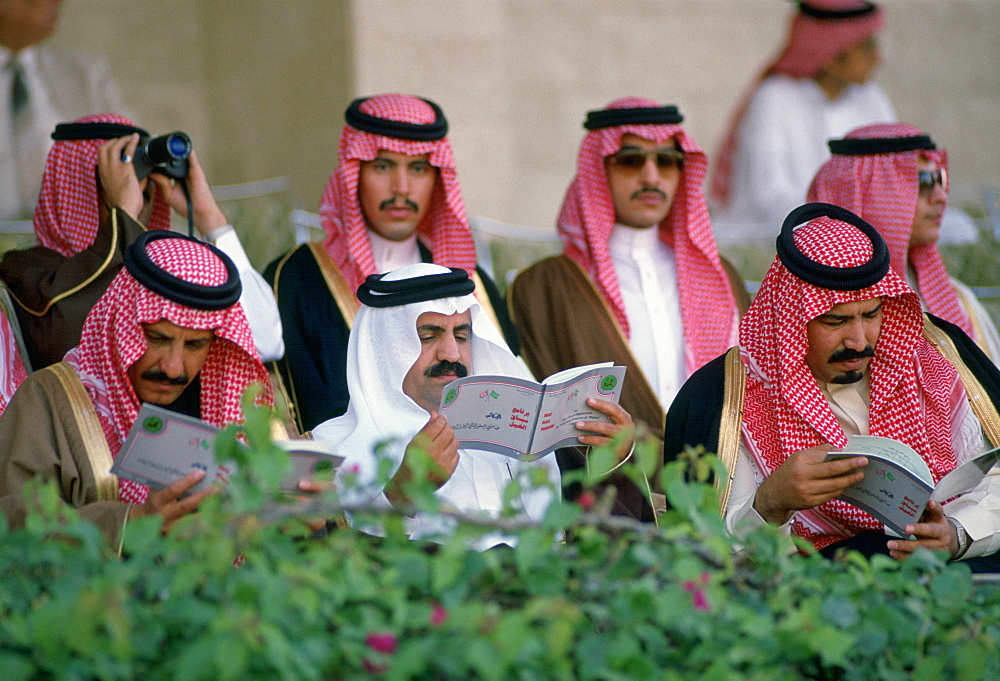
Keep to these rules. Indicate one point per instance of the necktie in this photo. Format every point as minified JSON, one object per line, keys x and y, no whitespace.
{"x":18,"y":90}
{"x":11,"y":194}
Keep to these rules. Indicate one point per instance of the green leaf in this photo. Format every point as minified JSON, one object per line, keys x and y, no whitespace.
{"x":971,"y":660}
{"x":930,"y":669}
{"x":840,"y":611}
{"x":15,"y":667}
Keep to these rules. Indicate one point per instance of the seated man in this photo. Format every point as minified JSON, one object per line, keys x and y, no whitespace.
{"x":393,"y":200}
{"x":834,"y":344}
{"x":169,"y":331}
{"x":893,"y":176}
{"x":89,"y":169}
{"x":420,"y":328}
{"x":640,"y":281}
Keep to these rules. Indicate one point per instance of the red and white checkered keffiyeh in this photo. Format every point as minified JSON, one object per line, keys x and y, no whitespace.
{"x":882,"y":189}
{"x":708,"y":309}
{"x":67,"y":215}
{"x":113,"y":340}
{"x":915,"y":392}
{"x":812,"y":44}
{"x":444,"y":230}
{"x":11,"y":365}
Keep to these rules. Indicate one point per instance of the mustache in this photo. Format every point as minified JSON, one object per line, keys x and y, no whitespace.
{"x":408,"y":202}
{"x":846,"y":354}
{"x":158,"y":376}
{"x":650,"y":190}
{"x":446,"y":367}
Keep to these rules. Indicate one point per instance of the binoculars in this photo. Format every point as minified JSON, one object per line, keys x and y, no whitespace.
{"x":166,"y":154}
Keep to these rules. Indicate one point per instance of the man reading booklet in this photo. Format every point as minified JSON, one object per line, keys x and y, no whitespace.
{"x":419,"y":328}
{"x":833,"y":345}
{"x":169,"y":331}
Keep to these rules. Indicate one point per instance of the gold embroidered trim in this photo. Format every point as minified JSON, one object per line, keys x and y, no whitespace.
{"x":346,"y":299}
{"x":729,"y":427}
{"x":89,"y":425}
{"x":633,"y":365}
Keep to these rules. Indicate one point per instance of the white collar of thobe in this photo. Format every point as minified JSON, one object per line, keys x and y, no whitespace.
{"x":850,"y":403}
{"x":391,"y":255}
{"x":634,"y":243}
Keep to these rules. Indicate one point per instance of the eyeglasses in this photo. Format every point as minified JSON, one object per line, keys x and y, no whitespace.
{"x":635,"y":159}
{"x":926,"y":179}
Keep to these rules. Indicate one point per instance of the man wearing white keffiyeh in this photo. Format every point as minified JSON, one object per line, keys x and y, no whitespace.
{"x":401,"y":354}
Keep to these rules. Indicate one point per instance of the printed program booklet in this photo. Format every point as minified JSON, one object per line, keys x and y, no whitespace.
{"x":524,"y":419}
{"x":164,"y":446}
{"x":897,"y":483}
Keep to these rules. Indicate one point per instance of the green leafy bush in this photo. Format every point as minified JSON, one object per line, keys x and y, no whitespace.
{"x":675,"y":602}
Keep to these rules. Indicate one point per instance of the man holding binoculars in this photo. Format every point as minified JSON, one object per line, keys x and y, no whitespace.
{"x":94,"y":166}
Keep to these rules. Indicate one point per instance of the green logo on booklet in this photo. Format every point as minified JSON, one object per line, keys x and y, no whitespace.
{"x":609,"y":383}
{"x":322,"y":466}
{"x":154,"y":424}
{"x":450,"y":397}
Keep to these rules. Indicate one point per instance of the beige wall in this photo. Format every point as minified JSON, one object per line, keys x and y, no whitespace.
{"x":261,"y":85}
{"x":258,"y":84}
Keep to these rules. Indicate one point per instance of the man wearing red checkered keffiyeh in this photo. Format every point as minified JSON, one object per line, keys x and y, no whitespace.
{"x":894,"y":176}
{"x":393,"y":200}
{"x":640,"y":281}
{"x":168,"y":331}
{"x":819,"y":86}
{"x":89,"y":170}
{"x":835,"y":344}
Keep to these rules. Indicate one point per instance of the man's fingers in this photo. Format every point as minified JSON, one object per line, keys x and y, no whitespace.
{"x":434,"y":426}
{"x":833,"y":486}
{"x":178,"y":487}
{"x":187,"y":505}
{"x":131,"y":143}
{"x":838,"y":467}
{"x":597,"y":428}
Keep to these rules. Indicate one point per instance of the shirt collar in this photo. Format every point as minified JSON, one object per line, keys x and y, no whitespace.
{"x":632,"y":242}
{"x":391,"y":255}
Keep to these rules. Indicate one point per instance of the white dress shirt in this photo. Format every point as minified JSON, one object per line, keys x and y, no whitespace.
{"x":647,"y":277}
{"x":781,"y":144}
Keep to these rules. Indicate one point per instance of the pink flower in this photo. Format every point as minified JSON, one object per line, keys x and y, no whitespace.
{"x":354,"y":468}
{"x":438,"y":615}
{"x":698,"y":599}
{"x":586,"y":500}
{"x":384,"y":642}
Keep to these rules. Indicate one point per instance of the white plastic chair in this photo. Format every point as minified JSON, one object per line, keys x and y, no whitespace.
{"x":503,"y":250}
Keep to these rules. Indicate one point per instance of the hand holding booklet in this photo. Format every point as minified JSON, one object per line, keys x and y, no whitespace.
{"x":164,"y":446}
{"x":897,"y":483}
{"x":524,"y":419}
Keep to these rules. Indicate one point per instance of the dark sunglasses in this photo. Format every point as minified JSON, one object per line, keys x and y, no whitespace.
{"x":635,"y":159}
{"x":926,"y":179}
